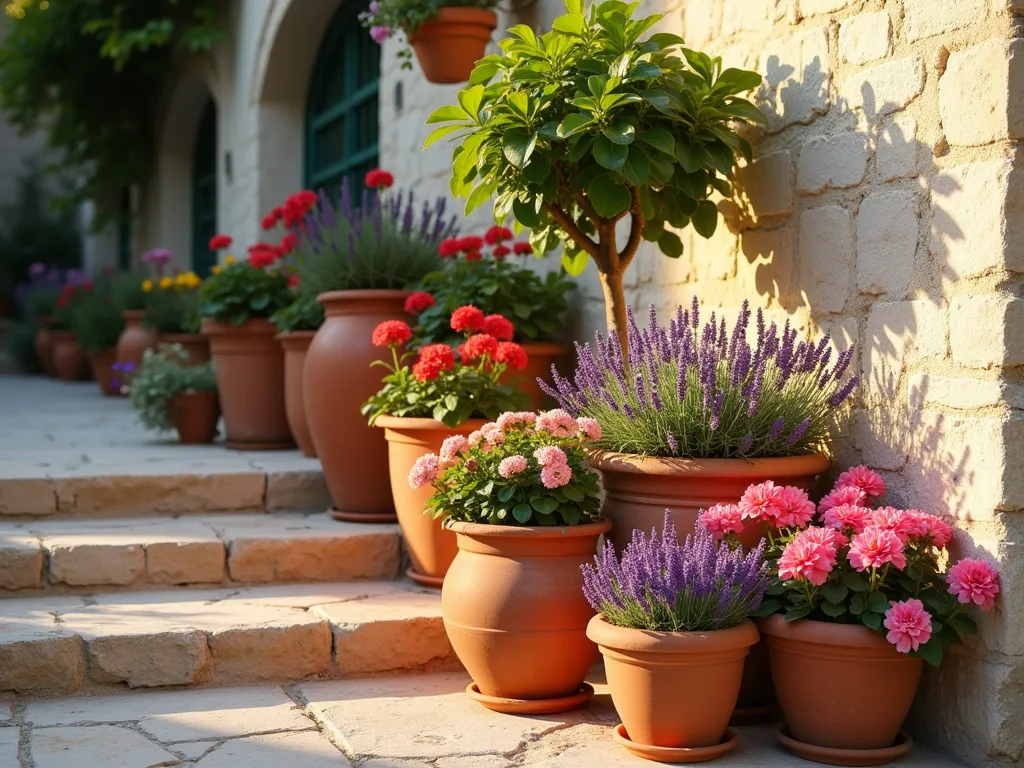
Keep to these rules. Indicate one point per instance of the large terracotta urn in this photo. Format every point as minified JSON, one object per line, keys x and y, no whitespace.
{"x":69,"y":360}
{"x":135,"y":339}
{"x":516,"y":616}
{"x":540,"y":357}
{"x":44,"y":344}
{"x":431,"y":547}
{"x":249,"y":364}
{"x":196,"y":346}
{"x":295,"y":345}
{"x":337,"y":380}
{"x":107,"y":378}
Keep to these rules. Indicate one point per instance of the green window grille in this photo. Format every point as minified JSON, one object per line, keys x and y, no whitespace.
{"x":341,"y":111}
{"x":204,"y":192}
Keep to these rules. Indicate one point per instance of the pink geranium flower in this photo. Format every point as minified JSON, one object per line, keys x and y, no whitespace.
{"x":927,"y":527}
{"x":722,"y":519}
{"x":845,"y":495}
{"x":589,"y":429}
{"x":895,"y":520}
{"x":424,"y":471}
{"x":762,"y":502}
{"x":848,"y":517}
{"x":551,"y":456}
{"x":805,"y":559}
{"x":558,"y":422}
{"x":876,"y":547}
{"x":555,"y":475}
{"x":512,"y":465}
{"x":796,"y":508}
{"x":863,"y":478}
{"x":452,"y":447}
{"x":909,"y":625}
{"x":513,"y":418}
{"x":829,"y":538}
{"x":974,"y":581}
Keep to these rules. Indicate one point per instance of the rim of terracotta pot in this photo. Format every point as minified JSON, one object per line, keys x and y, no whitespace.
{"x":451,"y":14}
{"x":192,"y":393}
{"x":645,"y":641}
{"x":357,"y":301}
{"x":254,"y":326}
{"x":782,"y":466}
{"x":544,"y":347}
{"x":482,"y":530}
{"x":386,"y":421}
{"x":133,"y":314}
{"x":826,"y":633}
{"x":295,"y":339}
{"x":173,"y":338}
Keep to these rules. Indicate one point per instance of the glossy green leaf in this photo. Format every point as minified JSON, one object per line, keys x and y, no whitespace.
{"x":611,"y":156}
{"x":526,"y":213}
{"x":440,"y":132}
{"x":659,"y":138}
{"x":518,"y":144}
{"x":705,"y":220}
{"x":620,"y":133}
{"x":670,"y":244}
{"x":607,"y":195}
{"x":691,"y":156}
{"x":522,"y":512}
{"x":447,"y":113}
{"x":470,"y":99}
{"x":573,"y":123}
{"x":637,"y":168}
{"x":575,"y":263}
{"x":570,"y":24}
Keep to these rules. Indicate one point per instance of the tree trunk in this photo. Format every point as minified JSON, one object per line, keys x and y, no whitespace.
{"x":615,"y":304}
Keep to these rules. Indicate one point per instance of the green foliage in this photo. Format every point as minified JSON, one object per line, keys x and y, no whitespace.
{"x":21,"y":345}
{"x":241,"y":291}
{"x":42,"y":302}
{"x":163,"y":374}
{"x":409,"y":15}
{"x":175,"y":308}
{"x":96,"y":320}
{"x":303,"y":314}
{"x":90,"y":75}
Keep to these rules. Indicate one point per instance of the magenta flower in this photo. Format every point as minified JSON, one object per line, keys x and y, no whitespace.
{"x":379,"y":33}
{"x":974,"y":581}
{"x":909,"y":625}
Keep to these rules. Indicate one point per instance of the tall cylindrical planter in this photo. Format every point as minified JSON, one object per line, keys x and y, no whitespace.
{"x":432,"y":548}
{"x":516,"y":616}
{"x":196,"y":346}
{"x":844,"y":690}
{"x":249,"y":365}
{"x":44,"y":344}
{"x":540,"y":357}
{"x":195,"y":415}
{"x":337,"y":380}
{"x":135,"y":339}
{"x":102,"y":370}
{"x":295,"y":345}
{"x":68,"y":358}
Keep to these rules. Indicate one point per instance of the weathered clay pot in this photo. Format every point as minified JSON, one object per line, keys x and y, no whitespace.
{"x":540,"y":356}
{"x":135,"y":339}
{"x":250,"y":380}
{"x":295,"y":345}
{"x":840,"y":686}
{"x":107,"y":378}
{"x":515,"y":613}
{"x":673,"y":689}
{"x":431,"y":546}
{"x":337,"y":380}
{"x":450,"y":43}
{"x":195,"y":415}
{"x":68,"y":358}
{"x":44,"y":344}
{"x":196,"y":346}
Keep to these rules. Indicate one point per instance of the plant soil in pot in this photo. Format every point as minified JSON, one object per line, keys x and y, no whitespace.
{"x":449,"y":44}
{"x":195,"y":414}
{"x":135,"y":339}
{"x":102,"y":370}
{"x":68,"y":358}
{"x":295,"y":345}
{"x":195,"y":345}
{"x":44,"y":344}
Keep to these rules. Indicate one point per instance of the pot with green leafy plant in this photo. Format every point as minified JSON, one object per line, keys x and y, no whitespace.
{"x":590,"y":124}
{"x":479,"y":272}
{"x":358,"y":257}
{"x":449,"y":36}
{"x":674,"y":628}
{"x":422,"y":405}
{"x":170,"y":391}
{"x":69,"y":360}
{"x":524,"y":506}
{"x":172,"y":311}
{"x":97,"y":323}
{"x":297,"y":325}
{"x":236,"y":305}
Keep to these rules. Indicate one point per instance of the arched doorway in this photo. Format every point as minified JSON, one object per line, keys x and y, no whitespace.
{"x":341,"y":110}
{"x":204,"y":191}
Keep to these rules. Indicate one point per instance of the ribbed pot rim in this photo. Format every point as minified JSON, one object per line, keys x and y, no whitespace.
{"x":484,"y":531}
{"x":641,"y":640}
{"x":786,"y":466}
{"x":823,"y":633}
{"x":254,"y":326}
{"x":410,"y":423}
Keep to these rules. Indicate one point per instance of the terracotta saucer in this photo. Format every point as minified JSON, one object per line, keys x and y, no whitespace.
{"x":676,"y":755}
{"x":854,"y":757}
{"x":363,"y":517}
{"x":531,"y":706}
{"x":754,"y":715}
{"x":423,"y":580}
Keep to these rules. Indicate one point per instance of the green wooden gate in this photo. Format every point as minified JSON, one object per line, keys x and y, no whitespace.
{"x":204,"y":192}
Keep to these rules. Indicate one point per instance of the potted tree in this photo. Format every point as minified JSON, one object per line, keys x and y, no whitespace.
{"x":484,"y":272}
{"x":590,"y":124}
{"x":171,"y":391}
{"x":297,"y":324}
{"x":236,"y":304}
{"x":448,"y":37}
{"x":172,"y":312}
{"x":673,"y":625}
{"x":423,"y":405}
{"x":524,"y":507}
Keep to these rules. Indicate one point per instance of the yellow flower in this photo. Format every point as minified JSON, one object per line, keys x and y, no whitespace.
{"x":229,"y":260}
{"x":216,"y":269}
{"x":192,"y":280}
{"x":166,"y":282}
{"x":147,"y":285}
{"x":181,"y":279}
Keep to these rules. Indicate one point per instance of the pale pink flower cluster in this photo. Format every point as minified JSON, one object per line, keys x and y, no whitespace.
{"x":424,"y":471}
{"x":589,"y":429}
{"x":555,"y":470}
{"x":558,"y":423}
{"x":974,"y":581}
{"x":550,"y":455}
{"x":514,"y":418}
{"x":487,"y":437}
{"x":875,"y":547}
{"x":452,"y":447}
{"x":721,"y":520}
{"x":847,"y":517}
{"x":864,"y":479}
{"x":909,"y":625}
{"x":512,"y":465}
{"x":842,"y":496}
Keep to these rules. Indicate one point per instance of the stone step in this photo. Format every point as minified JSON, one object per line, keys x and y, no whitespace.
{"x":59,"y":645}
{"x":79,"y":556}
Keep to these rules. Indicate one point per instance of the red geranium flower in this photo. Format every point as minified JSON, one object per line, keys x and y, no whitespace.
{"x":470,"y":243}
{"x":87,"y":285}
{"x":296,"y":207}
{"x":379,"y":179}
{"x":500,"y":327}
{"x":512,"y":354}
{"x":220,"y":242}
{"x":68,"y":290}
{"x":62,"y":301}
{"x":467,"y":318}
{"x":288,"y":243}
{"x":293,"y":281}
{"x":391,"y":332}
{"x":522,"y":249}
{"x":439,"y":352}
{"x":262,"y":255}
{"x":500,"y":252}
{"x":449,"y":247}
{"x":271,"y":219}
{"x":477,"y":346}
{"x":418,"y":302}
{"x":495,"y":235}
{"x":473,"y":256}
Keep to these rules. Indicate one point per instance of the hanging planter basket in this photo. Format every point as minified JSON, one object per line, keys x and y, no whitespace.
{"x":450,"y":43}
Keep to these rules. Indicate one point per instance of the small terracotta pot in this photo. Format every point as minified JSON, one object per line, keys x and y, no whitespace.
{"x":68,"y":358}
{"x":540,"y":356}
{"x":432,"y":548}
{"x":196,"y":346}
{"x":195,"y":415}
{"x":840,"y":686}
{"x":44,"y":344}
{"x":673,"y":689}
{"x":515,"y":613}
{"x":450,"y":43}
{"x":250,"y":380}
{"x":337,"y":380}
{"x":106,"y":377}
{"x":135,"y":339}
{"x":295,"y":345}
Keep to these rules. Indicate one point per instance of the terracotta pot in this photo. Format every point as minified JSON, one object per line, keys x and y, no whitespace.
{"x":337,"y":380}
{"x":196,"y":346}
{"x":44,"y":344}
{"x":540,"y":356}
{"x":134,"y":339}
{"x":515,"y":613}
{"x":450,"y":43}
{"x":195,"y":415}
{"x":840,"y":686}
{"x":295,"y":345}
{"x":673,"y":689}
{"x":68,"y":358}
{"x":106,"y":377}
{"x":432,"y":548}
{"x":250,"y":380}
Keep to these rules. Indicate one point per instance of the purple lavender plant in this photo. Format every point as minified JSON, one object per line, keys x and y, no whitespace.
{"x":660,"y":586}
{"x":704,"y":391}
